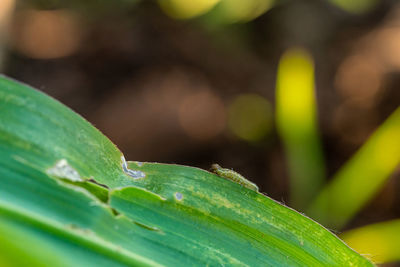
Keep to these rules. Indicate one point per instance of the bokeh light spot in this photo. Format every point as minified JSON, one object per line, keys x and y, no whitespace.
{"x":232,"y":11}
{"x":46,"y":34}
{"x":202,"y":115}
{"x":296,"y":108}
{"x":359,"y":79}
{"x":250,"y":117}
{"x":6,"y":6}
{"x":6,"y":10}
{"x":355,"y":6}
{"x":388,"y":45}
{"x":185,"y":9}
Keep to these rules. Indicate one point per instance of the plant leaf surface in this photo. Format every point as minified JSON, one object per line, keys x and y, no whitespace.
{"x":92,"y":213}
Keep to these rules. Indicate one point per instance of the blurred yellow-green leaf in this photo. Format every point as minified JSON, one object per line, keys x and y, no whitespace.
{"x":361,"y":177}
{"x":236,"y":11}
{"x":183,"y":9}
{"x":355,"y":6}
{"x":241,"y":11}
{"x":379,"y":242}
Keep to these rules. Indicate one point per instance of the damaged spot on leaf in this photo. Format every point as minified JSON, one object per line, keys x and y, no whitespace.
{"x":115,"y":212}
{"x":63,"y":170}
{"x":97,"y":191}
{"x":140,"y":164}
{"x":132,"y":173}
{"x":78,"y":229}
{"x":69,"y":177}
{"x":95,"y":182}
{"x":178,"y":196}
{"x":151,"y":228}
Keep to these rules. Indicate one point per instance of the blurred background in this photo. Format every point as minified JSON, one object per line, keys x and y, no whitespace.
{"x":284,"y":92}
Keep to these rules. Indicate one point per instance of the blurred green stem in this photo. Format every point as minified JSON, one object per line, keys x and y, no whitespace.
{"x":297,"y":125}
{"x":361,"y":177}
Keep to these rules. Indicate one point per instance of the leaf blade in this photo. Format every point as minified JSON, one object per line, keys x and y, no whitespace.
{"x":142,"y":221}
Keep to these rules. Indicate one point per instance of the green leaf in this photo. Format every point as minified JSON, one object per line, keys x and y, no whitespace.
{"x":380,"y":242}
{"x":361,"y":177}
{"x":66,"y":200}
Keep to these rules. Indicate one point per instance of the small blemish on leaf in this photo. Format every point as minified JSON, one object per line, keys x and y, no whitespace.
{"x":97,"y":183}
{"x":79,"y":229}
{"x":140,"y":164}
{"x":63,"y":170}
{"x":151,"y":228}
{"x":178,"y":196}
{"x":132,"y":173}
